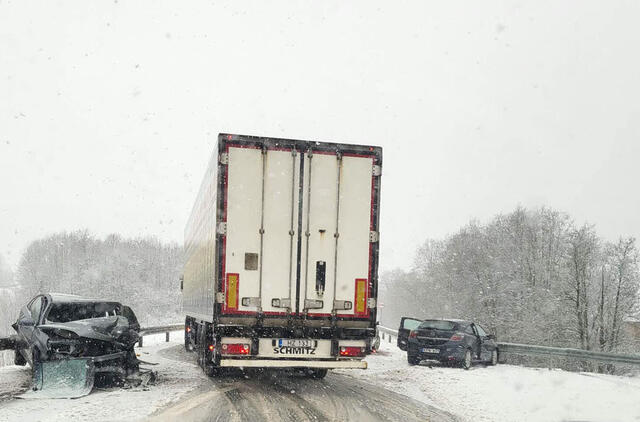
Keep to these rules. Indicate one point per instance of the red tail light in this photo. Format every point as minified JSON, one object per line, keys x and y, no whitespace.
{"x":456,"y":337}
{"x":413,"y":334}
{"x":235,"y":349}
{"x":351,"y":351}
{"x":211,"y":347}
{"x":188,"y":329}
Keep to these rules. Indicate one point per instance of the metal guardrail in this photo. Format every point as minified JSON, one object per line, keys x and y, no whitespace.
{"x":578,"y":354}
{"x":389,"y":333}
{"x":532,"y":349}
{"x":167,"y":329}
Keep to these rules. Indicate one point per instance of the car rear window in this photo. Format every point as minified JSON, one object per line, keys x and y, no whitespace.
{"x":65,"y":312}
{"x":438,"y":324}
{"x":410,"y":324}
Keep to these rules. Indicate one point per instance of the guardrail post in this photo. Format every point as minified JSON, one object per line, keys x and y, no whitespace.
{"x":167,"y":334}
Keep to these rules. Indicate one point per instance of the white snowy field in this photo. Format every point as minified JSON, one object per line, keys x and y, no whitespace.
{"x":175,"y":379}
{"x":503,"y":393}
{"x":506,"y":392}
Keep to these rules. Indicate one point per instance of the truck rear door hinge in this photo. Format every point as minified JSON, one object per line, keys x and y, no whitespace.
{"x":371,"y":303}
{"x":373,"y":236}
{"x":220,"y":297}
{"x":222,"y":228}
{"x":377,"y":170}
{"x":224,"y":158}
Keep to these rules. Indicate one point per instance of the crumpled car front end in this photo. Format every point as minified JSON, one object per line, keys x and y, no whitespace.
{"x":77,"y":341}
{"x":109,"y":341}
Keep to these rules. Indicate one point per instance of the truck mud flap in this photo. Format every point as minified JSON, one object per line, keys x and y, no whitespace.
{"x":68,"y":379}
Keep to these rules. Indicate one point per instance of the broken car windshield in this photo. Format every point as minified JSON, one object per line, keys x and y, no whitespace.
{"x":65,"y":312}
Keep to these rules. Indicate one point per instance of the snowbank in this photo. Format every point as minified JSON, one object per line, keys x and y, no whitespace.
{"x":506,"y":392}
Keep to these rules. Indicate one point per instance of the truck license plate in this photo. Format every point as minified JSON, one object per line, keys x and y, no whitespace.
{"x":289,"y":346}
{"x":425,"y":350}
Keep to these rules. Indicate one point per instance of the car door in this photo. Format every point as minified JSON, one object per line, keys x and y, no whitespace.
{"x":476,"y":344}
{"x":406,"y":325}
{"x":487,"y":343}
{"x":27,"y":320}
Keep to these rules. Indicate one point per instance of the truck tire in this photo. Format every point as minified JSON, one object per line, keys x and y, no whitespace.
{"x":210,"y":370}
{"x":188,"y":335}
{"x":208,"y":367}
{"x":318,"y":373}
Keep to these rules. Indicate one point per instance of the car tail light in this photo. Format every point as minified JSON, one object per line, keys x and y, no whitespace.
{"x":456,"y":337}
{"x":235,"y":349}
{"x":188,"y":329}
{"x":211,"y":347}
{"x":413,"y":334}
{"x":351,"y":351}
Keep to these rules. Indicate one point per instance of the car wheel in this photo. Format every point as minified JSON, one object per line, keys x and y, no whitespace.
{"x":412,"y":359}
{"x":466,"y":361}
{"x":18,"y":359}
{"x":494,"y":358}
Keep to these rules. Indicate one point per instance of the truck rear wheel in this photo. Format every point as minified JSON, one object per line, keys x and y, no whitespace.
{"x":205,"y":356}
{"x":188,"y":335}
{"x":318,"y":373}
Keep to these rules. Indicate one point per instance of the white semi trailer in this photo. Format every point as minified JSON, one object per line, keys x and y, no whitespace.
{"x":281,"y":264}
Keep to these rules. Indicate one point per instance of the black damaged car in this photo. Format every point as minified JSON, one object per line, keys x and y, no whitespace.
{"x":58,"y":327}
{"x":451,"y":342}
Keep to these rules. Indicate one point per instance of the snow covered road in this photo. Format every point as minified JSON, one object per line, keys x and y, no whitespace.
{"x":279,"y":396}
{"x":389,"y":390}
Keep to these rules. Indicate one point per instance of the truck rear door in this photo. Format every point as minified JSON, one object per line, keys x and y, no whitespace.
{"x":337,"y":227}
{"x":261,"y":224}
{"x":297,"y":244}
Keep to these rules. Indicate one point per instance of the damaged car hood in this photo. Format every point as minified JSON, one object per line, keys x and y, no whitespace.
{"x":112,"y":328}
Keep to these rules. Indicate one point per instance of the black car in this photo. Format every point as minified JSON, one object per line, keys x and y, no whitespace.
{"x":451,"y":342}
{"x":57,"y":327}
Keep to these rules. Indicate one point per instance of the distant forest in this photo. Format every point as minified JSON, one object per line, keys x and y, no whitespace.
{"x":142,"y":273}
{"x":530,"y":276}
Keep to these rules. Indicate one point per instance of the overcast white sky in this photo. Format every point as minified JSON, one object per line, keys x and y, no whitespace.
{"x":109,"y":110}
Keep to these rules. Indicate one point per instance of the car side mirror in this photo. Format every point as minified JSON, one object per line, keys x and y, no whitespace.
{"x":491,"y":336}
{"x":27,"y":322}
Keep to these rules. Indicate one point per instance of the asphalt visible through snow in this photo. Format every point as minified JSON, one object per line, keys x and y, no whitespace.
{"x":281,"y":396}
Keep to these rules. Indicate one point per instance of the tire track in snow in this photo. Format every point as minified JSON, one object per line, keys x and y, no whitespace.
{"x":281,"y":396}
